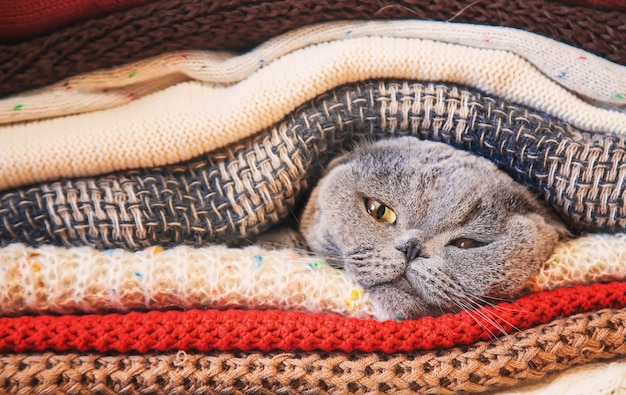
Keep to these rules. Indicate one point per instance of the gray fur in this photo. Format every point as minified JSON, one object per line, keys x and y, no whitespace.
{"x":439,"y":194}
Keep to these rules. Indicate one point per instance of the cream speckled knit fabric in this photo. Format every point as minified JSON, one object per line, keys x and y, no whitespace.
{"x":58,"y":280}
{"x":581,"y":72}
{"x":593,"y":258}
{"x":191,"y":118}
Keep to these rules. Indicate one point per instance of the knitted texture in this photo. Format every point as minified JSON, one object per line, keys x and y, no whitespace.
{"x":588,"y":75}
{"x":270,"y":330}
{"x":526,"y":355}
{"x":600,"y":378}
{"x":29,"y":18}
{"x":593,"y":258}
{"x":54,"y":280}
{"x":253,"y":184}
{"x":190,"y":119}
{"x":608,"y":4}
{"x":170,"y":25}
{"x":79,"y":280}
{"x":573,"y":340}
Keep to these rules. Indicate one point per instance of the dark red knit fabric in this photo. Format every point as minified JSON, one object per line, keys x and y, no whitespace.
{"x":606,"y":4}
{"x":28,"y":18}
{"x":169,"y":25}
{"x":289,"y":331}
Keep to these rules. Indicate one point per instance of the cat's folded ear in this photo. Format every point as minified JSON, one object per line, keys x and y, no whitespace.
{"x":339,"y":160}
{"x":551,"y":218}
{"x":559,"y":225}
{"x":525,"y":201}
{"x":344,"y":157}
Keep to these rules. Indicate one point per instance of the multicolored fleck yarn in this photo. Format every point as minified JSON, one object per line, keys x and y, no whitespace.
{"x":56,"y":280}
{"x":583,"y":73}
{"x":146,"y":31}
{"x":191,"y":118}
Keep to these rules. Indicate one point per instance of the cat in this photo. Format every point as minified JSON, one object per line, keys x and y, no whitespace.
{"x":428,"y":229}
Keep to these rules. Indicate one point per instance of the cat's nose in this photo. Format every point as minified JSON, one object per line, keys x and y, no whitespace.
{"x":411,"y":249}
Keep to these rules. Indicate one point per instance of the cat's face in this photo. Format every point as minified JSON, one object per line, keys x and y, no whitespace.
{"x":426,"y":228}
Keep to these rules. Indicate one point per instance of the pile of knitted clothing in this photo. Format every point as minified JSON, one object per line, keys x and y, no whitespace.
{"x":141,"y":138}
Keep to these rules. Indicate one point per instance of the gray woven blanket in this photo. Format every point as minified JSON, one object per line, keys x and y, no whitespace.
{"x":251,"y":185}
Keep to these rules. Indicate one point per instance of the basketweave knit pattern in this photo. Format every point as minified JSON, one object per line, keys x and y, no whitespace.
{"x":170,"y":25}
{"x":483,"y":366}
{"x":253,"y":184}
{"x":269,"y":330}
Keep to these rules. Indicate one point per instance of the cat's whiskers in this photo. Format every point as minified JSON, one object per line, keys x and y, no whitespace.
{"x":440,"y":308}
{"x":490,"y":318}
{"x":484,"y":300}
{"x":294,"y":216}
{"x":489,"y":312}
{"x":362,"y":253}
{"x":358,"y":257}
{"x":513,"y":302}
{"x":456,"y":295}
{"x":474,"y":315}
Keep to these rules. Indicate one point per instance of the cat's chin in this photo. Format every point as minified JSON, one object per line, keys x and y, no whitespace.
{"x":392,"y":303}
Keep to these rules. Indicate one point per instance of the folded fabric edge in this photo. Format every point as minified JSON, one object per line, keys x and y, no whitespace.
{"x":487,"y":365}
{"x":193,"y":119}
{"x":218,"y":27}
{"x":257,"y":182}
{"x":586,"y":74}
{"x":83,"y":280}
{"x":249,"y":330}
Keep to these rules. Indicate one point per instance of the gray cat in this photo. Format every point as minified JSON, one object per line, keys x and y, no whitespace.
{"x":426,"y":228}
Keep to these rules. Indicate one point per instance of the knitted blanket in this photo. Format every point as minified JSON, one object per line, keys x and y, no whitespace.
{"x":581,"y":72}
{"x":251,"y":185}
{"x":486,"y":365}
{"x":56,"y":280}
{"x":110,"y":277}
{"x":30,"y":18}
{"x":191,"y":119}
{"x":170,"y":25}
{"x":53,"y":280}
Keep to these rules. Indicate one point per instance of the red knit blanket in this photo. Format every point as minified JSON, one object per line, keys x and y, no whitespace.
{"x":290,"y":331}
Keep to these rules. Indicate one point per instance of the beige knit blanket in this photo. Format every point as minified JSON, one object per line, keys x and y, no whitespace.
{"x":584,"y":73}
{"x":57,"y":280}
{"x":191,"y":118}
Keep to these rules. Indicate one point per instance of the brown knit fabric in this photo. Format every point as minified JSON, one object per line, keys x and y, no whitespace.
{"x":526,"y":355}
{"x":170,"y":25}
{"x":24,"y":19}
{"x":608,"y":4}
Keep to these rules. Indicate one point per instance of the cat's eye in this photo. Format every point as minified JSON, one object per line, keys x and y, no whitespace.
{"x":380,"y":212}
{"x":466,"y":243}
